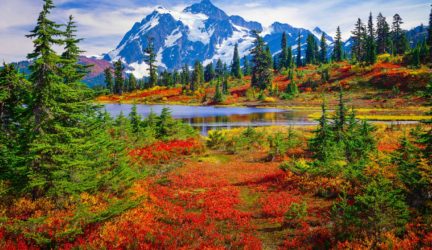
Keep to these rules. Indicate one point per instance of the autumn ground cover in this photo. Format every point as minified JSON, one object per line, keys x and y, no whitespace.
{"x":377,"y":91}
{"x":213,"y":199}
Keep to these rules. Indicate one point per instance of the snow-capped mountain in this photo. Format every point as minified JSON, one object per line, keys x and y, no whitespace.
{"x":200,"y":32}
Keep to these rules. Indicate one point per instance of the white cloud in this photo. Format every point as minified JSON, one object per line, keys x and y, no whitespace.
{"x":331,"y":13}
{"x":104,"y":23}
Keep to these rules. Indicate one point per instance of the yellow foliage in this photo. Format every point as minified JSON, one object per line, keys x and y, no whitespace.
{"x":384,"y":58}
{"x":269,"y":99}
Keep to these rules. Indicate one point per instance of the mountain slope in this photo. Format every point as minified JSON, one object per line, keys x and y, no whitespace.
{"x":200,"y":32}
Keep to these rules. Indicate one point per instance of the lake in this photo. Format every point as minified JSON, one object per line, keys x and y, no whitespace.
{"x":205,"y":118}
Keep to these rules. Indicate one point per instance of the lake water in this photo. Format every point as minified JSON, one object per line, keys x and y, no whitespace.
{"x":205,"y":118}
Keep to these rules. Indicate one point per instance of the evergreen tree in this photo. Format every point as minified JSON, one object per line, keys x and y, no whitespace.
{"x":426,"y":138}
{"x":196,"y":76}
{"x":135,"y":119}
{"x":246,"y":67}
{"x":415,"y":53}
{"x":408,"y":161}
{"x":235,"y":67}
{"x":358,"y":49}
{"x":118,"y":77}
{"x":338,"y":51}
{"x":126,"y":87}
{"x":176,"y":77}
{"x":299,"y":54}
{"x":382,"y":39}
{"x":209,"y":72}
{"x":150,"y":59}
{"x":15,"y":93}
{"x":398,"y":35}
{"x":167,"y":79}
{"x":429,"y":37}
{"x":269,"y":57}
{"x":109,"y":80}
{"x":275,"y":63}
{"x":424,"y":52}
{"x":185,"y":76}
{"x":261,"y":71}
{"x":164,"y":124}
{"x":219,"y":68}
{"x":132,"y":86}
{"x":225,"y":88}
{"x":67,"y":149}
{"x":323,"y":49}
{"x":289,"y":61}
{"x":292,"y":89}
{"x":218,"y":97}
{"x":370,"y":44}
{"x":72,"y":71}
{"x":340,"y":118}
{"x":311,"y":50}
{"x":45,"y":67}
{"x":320,"y":144}
{"x":283,"y":56}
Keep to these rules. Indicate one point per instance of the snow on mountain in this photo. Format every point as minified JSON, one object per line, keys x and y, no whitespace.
{"x":200,"y":32}
{"x":318,"y":33}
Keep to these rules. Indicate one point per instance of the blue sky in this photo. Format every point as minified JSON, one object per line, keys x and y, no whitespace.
{"x":103,"y":22}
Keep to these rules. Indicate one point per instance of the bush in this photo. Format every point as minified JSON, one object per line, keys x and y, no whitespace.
{"x":379,"y":209}
{"x":269,"y":100}
{"x":249,"y":139}
{"x":250,"y":94}
{"x":384,"y":58}
{"x":297,"y":211}
{"x":279,"y":143}
{"x":216,"y":139}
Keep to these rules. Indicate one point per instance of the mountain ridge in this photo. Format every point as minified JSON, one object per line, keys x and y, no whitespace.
{"x":201,"y":32}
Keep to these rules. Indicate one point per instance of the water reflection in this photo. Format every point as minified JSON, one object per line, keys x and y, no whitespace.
{"x":206,"y":118}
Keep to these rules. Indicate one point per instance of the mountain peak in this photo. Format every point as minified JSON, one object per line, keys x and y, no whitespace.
{"x":318,"y":30}
{"x":207,"y":8}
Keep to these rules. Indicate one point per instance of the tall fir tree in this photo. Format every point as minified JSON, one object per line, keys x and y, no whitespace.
{"x":383,"y":36}
{"x":320,"y":143}
{"x":340,"y":118}
{"x":337,"y":55}
{"x":323,"y":49}
{"x":72,"y":71}
{"x":225,"y":87}
{"x":311,"y":50}
{"x":246,"y":66}
{"x":65,"y":151}
{"x":135,"y":119}
{"x":197,"y":76}
{"x":132,"y":86}
{"x":299,"y":62}
{"x":15,"y":96}
{"x":261,"y":71}
{"x":283,"y":56}
{"x":209,"y":72}
{"x":176,"y":77}
{"x":398,"y":35}
{"x":429,"y":37}
{"x":185,"y":76}
{"x":370,"y":43}
{"x":45,"y":72}
{"x":150,"y":59}
{"x":358,"y":49}
{"x":109,"y":82}
{"x":235,"y":66}
{"x":289,"y":61}
{"x":219,"y":68}
{"x":118,"y":77}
